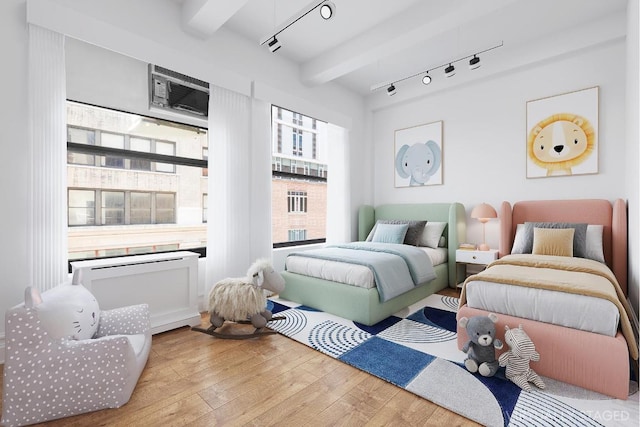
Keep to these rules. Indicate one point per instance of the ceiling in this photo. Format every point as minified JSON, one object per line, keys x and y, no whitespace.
{"x":369,"y":44}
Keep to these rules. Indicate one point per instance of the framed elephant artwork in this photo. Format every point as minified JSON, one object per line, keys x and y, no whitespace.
{"x":562,"y":134}
{"x":418,"y":155}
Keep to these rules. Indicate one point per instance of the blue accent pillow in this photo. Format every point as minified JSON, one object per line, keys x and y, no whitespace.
{"x":414,"y":231}
{"x":390,"y":233}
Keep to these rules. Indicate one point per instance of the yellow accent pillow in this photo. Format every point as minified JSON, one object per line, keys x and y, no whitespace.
{"x":553,"y":241}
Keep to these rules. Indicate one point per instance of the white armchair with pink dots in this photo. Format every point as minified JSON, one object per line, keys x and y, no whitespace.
{"x":64,"y":357}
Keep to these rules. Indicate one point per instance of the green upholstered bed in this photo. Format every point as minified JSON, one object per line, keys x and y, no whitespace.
{"x":363,"y":305}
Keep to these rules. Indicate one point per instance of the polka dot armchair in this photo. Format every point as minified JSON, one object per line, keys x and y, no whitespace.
{"x":52,"y":373}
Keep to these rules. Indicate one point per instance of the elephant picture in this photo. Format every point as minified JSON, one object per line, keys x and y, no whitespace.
{"x":418,"y":156}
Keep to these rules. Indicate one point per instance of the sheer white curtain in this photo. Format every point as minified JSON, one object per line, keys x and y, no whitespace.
{"x":48,"y":151}
{"x":261,"y":236}
{"x":338,"y":186}
{"x":239,"y":211}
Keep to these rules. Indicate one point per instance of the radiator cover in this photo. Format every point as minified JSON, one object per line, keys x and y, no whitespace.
{"x":167,"y":282}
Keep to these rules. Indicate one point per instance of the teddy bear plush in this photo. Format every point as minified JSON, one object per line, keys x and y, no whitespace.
{"x":516,"y":360}
{"x":482,"y":344}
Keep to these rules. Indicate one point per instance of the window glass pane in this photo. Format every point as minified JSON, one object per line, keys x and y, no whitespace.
{"x":140,"y":144}
{"x":82,"y":207}
{"x":140,"y":208}
{"x":299,"y":186}
{"x":112,"y":141}
{"x":165,"y":208}
{"x":121,"y":205}
{"x":81,"y":136}
{"x":205,"y":204}
{"x":112,"y":207}
{"x":144,"y":145}
{"x":168,"y":149}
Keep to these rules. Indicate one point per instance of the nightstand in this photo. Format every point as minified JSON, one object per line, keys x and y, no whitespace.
{"x":475,"y":257}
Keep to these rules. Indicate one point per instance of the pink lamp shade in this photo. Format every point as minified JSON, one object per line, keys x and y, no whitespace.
{"x":483,"y":213}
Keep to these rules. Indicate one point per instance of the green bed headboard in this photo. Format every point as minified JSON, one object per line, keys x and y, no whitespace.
{"x":452,"y":213}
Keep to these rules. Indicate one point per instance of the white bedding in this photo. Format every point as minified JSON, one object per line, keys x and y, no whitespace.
{"x":342,"y":272}
{"x":574,"y":311}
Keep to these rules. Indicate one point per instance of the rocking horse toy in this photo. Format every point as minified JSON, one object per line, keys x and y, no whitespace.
{"x":243,"y":300}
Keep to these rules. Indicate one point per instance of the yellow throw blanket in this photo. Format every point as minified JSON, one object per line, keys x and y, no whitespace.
{"x":566,"y":274}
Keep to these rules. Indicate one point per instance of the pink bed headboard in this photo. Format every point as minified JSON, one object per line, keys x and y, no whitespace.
{"x":591,"y":211}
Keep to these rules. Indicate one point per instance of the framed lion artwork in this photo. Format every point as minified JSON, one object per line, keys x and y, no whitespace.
{"x":562,"y":134}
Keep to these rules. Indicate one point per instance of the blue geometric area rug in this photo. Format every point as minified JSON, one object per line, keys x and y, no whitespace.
{"x":416,"y":350}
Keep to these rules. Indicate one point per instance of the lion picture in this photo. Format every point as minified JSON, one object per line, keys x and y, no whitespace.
{"x":560,"y":142}
{"x":562,"y":135}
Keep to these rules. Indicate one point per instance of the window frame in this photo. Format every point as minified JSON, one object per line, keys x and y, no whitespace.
{"x":276,"y":161}
{"x":127,"y":154}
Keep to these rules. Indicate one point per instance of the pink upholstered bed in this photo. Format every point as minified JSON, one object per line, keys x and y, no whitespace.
{"x":591,"y":360}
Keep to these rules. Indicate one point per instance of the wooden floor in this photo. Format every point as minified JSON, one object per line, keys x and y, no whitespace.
{"x":193,"y":379}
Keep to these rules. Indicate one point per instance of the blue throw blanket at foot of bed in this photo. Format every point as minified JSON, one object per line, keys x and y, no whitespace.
{"x":396,"y":268}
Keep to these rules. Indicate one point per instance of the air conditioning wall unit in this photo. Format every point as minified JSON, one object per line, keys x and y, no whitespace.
{"x":178,"y":93}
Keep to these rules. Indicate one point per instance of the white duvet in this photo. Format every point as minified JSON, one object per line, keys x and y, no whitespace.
{"x":547,"y":306}
{"x":342,"y":272}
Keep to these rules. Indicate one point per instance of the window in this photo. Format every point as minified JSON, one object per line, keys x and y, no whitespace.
{"x":112,"y":140}
{"x":112,"y":207}
{"x":82,"y":207}
{"x":119,"y":207}
{"x":297,"y":142}
{"x":299,"y":178}
{"x":143,"y":145}
{"x":140,"y":212}
{"x":129,"y":192}
{"x":205,"y":203}
{"x":296,"y":235}
{"x":165,"y":208}
{"x":297,"y":201}
{"x":205,"y":156}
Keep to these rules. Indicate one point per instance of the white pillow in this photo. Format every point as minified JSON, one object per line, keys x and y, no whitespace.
{"x":432,"y":233}
{"x":519,"y":241}
{"x":594,"y":248}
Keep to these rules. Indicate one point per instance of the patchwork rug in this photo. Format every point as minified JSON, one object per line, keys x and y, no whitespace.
{"x":416,"y":349}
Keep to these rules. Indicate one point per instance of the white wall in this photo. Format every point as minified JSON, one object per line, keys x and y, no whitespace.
{"x":484,"y":136}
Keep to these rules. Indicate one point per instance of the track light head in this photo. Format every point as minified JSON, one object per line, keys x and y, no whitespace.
{"x":474,"y":62}
{"x":426,"y":79}
{"x":327,"y":10}
{"x":274,"y":44}
{"x":450,"y":71}
{"x":391,"y":90}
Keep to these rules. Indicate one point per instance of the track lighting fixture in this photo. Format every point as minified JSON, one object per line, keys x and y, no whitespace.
{"x":327,"y":11}
{"x":274,"y":44}
{"x":449,"y":70}
{"x":474,"y":62}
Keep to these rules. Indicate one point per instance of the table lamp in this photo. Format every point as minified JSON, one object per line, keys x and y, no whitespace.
{"x":483,"y":213}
